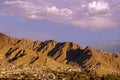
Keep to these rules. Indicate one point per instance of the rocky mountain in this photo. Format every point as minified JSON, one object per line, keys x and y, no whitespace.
{"x":53,"y":54}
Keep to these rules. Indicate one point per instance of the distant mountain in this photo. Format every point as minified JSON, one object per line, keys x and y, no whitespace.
{"x":111,"y":46}
{"x":53,"y":54}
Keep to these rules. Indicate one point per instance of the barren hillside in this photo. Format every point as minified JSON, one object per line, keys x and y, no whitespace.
{"x":53,"y":54}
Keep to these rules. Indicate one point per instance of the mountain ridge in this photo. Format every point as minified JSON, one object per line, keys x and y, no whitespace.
{"x":113,"y":46}
{"x":55,"y":54}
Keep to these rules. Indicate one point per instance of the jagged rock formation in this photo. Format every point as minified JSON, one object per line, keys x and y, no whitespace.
{"x":57,"y":54}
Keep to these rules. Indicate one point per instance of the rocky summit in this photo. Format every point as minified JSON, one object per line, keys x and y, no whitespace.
{"x":57,"y":55}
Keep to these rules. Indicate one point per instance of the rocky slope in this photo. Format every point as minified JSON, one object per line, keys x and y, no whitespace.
{"x":53,"y":54}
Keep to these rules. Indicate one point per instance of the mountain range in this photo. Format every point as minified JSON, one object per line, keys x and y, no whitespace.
{"x":53,"y":54}
{"x":113,"y":46}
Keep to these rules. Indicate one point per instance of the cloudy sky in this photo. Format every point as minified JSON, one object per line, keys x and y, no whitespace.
{"x":86,"y":22}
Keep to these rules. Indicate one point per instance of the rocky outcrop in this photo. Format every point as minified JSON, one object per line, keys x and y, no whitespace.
{"x":55,"y":54}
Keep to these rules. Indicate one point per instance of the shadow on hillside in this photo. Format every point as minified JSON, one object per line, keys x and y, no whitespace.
{"x":21,"y":53}
{"x":42,"y":45}
{"x":18,"y":42}
{"x":78,"y":56}
{"x":55,"y":49}
{"x":10,"y":51}
{"x":34,"y":59}
{"x":72,"y":55}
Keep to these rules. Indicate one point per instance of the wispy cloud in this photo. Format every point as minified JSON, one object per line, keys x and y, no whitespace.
{"x":93,"y":14}
{"x":96,"y":23}
{"x":98,"y":8}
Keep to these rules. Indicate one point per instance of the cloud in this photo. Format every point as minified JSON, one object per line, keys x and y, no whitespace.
{"x":64,"y":12}
{"x":98,"y":7}
{"x":95,"y":23}
{"x":90,"y":14}
{"x":18,"y":7}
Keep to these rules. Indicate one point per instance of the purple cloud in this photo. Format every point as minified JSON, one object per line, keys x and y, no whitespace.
{"x":98,"y":8}
{"x":93,"y":14}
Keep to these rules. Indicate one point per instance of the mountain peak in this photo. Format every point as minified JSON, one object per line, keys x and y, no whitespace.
{"x":88,"y":48}
{"x":1,"y":34}
{"x":4,"y":37}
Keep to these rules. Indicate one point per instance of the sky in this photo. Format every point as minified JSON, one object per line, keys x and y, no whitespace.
{"x":85,"y":22}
